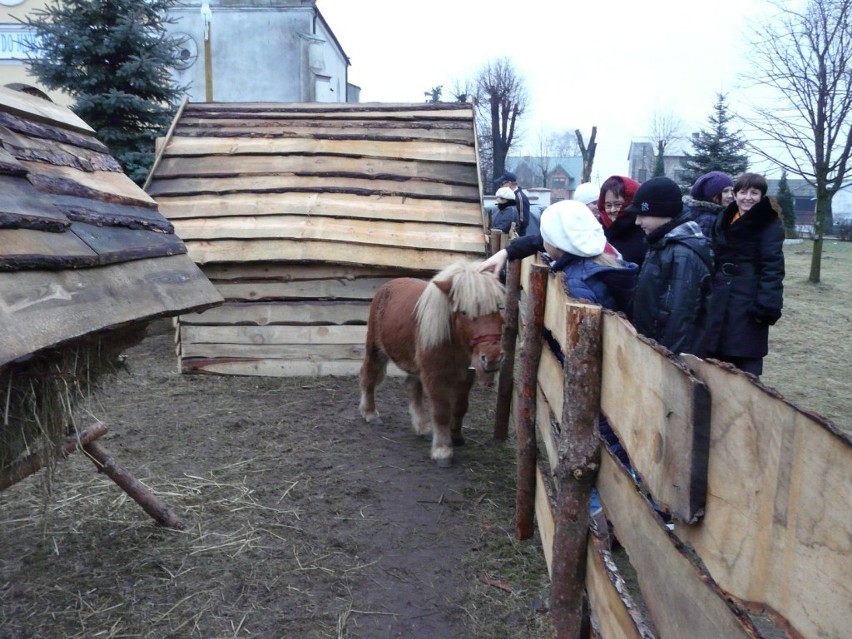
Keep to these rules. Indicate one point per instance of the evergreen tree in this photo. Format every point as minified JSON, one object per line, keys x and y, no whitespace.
{"x":113,"y":57}
{"x":716,"y":149}
{"x":785,"y":200}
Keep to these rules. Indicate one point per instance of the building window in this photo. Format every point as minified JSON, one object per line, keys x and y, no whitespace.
{"x":558,"y":183}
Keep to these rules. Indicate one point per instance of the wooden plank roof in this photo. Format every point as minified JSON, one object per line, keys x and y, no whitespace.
{"x":82,"y":248}
{"x":394,"y":185}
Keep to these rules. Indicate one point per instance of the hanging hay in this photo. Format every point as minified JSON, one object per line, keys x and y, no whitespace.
{"x":40,"y":394}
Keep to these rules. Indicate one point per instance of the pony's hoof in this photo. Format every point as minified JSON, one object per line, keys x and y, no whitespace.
{"x":458,"y":440}
{"x":444,"y":462}
{"x":374,"y":420}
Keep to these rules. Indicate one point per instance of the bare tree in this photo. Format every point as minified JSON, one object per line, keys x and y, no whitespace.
{"x":501,"y":100}
{"x":804,"y":58}
{"x":587,"y":152}
{"x":665,"y":128}
{"x":462,"y":91}
{"x":564,"y":144}
{"x":542,"y":159}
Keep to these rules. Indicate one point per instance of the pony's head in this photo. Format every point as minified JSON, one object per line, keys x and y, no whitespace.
{"x":463,"y":305}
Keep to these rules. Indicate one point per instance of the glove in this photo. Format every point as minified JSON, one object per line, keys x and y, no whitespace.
{"x":763,"y":315}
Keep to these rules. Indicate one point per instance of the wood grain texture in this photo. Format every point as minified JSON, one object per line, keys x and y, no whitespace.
{"x":47,"y":309}
{"x":337,"y":252}
{"x":107,"y":186}
{"x":312,"y":312}
{"x":330,"y":166}
{"x":250,"y":126}
{"x":355,"y":185}
{"x":24,"y":249}
{"x":663,"y":422}
{"x":274,"y":271}
{"x":22,"y":206}
{"x":273,"y":334}
{"x":777,"y":530}
{"x":372,"y":206}
{"x":359,"y":289}
{"x":228,"y":148}
{"x":613,"y":608}
{"x":277,"y":367}
{"x":31,"y":107}
{"x":402,"y":234}
{"x":682,"y":599}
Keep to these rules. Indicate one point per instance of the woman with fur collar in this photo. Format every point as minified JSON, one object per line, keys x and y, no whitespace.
{"x":748,"y":289}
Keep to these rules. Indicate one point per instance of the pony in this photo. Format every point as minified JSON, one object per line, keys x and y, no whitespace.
{"x":443,"y":334}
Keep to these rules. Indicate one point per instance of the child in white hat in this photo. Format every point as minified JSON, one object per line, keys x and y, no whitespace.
{"x":593,"y":270}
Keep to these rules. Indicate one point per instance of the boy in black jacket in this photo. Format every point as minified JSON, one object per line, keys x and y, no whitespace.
{"x":673,"y":287}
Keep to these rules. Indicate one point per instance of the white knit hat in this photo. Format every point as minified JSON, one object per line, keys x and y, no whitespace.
{"x":570,"y":226}
{"x":506,"y":193}
{"x":587,"y":192}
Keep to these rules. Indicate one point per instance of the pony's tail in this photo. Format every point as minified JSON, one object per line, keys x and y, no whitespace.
{"x":433,"y":314}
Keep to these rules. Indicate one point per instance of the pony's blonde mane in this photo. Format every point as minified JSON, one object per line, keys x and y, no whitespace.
{"x":472,"y":293}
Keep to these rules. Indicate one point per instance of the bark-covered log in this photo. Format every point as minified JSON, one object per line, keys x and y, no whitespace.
{"x":579,"y":460}
{"x":510,"y":338}
{"x":32,"y":463}
{"x":140,"y":493}
{"x":526,"y":394}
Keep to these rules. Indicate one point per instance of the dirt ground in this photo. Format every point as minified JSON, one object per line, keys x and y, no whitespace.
{"x":301,"y":520}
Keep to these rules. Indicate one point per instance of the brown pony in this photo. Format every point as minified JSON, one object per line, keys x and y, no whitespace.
{"x":441,"y":333}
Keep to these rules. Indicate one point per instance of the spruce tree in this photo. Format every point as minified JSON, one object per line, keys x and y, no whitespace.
{"x":716,"y":149}
{"x":113,"y":57}
{"x":785,"y":200}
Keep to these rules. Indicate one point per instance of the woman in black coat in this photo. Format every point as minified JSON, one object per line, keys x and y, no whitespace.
{"x":748,"y":290}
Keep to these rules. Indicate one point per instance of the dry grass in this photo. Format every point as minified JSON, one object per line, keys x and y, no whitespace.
{"x":811,"y":346}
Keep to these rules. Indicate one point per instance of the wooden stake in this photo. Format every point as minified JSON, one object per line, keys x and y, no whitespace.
{"x":526,"y":398}
{"x":579,"y":460}
{"x":496,"y":241}
{"x":140,"y":493}
{"x":31,"y":463}
{"x":510,"y":338}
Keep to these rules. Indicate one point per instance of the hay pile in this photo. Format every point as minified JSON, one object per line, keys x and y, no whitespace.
{"x":41,"y":395}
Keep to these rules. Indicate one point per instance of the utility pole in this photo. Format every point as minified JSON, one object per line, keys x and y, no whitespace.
{"x":207,"y":18}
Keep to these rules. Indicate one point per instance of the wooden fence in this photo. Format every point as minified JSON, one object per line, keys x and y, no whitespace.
{"x":759,"y":489}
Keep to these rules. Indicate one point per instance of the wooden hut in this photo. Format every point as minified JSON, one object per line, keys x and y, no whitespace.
{"x":86,"y":262}
{"x":299,"y":212}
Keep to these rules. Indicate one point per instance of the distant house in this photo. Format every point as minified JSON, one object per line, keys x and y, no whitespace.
{"x":804,"y":196}
{"x":642,"y":160}
{"x":563,"y":174}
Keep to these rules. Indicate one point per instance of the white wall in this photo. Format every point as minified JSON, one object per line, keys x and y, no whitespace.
{"x":261,"y":52}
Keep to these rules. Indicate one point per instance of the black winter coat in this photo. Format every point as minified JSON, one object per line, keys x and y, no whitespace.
{"x":673,"y":288}
{"x":503,"y":216}
{"x":748,"y":289}
{"x":702,"y":212}
{"x":628,"y":238}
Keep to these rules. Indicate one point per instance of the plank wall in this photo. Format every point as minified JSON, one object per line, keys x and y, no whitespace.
{"x":769,"y":535}
{"x":299,"y":212}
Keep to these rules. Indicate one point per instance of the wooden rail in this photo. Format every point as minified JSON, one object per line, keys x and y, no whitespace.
{"x":757,"y":488}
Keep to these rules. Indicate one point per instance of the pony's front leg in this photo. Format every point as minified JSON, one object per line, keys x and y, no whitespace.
{"x":462,"y":402}
{"x":372,"y":373}
{"x":419,"y":415}
{"x":442,"y":411}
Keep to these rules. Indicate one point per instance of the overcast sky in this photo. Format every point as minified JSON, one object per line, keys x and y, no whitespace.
{"x":605,"y":63}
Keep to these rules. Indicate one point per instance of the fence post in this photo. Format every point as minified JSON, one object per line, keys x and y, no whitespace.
{"x":579,"y":460}
{"x":526,"y":389}
{"x":510,"y":337}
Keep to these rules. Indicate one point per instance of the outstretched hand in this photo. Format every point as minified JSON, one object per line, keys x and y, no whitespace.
{"x":494,"y":263}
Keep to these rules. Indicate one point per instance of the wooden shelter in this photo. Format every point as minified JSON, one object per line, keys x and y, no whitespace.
{"x":299,"y":212}
{"x":86,"y":261}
